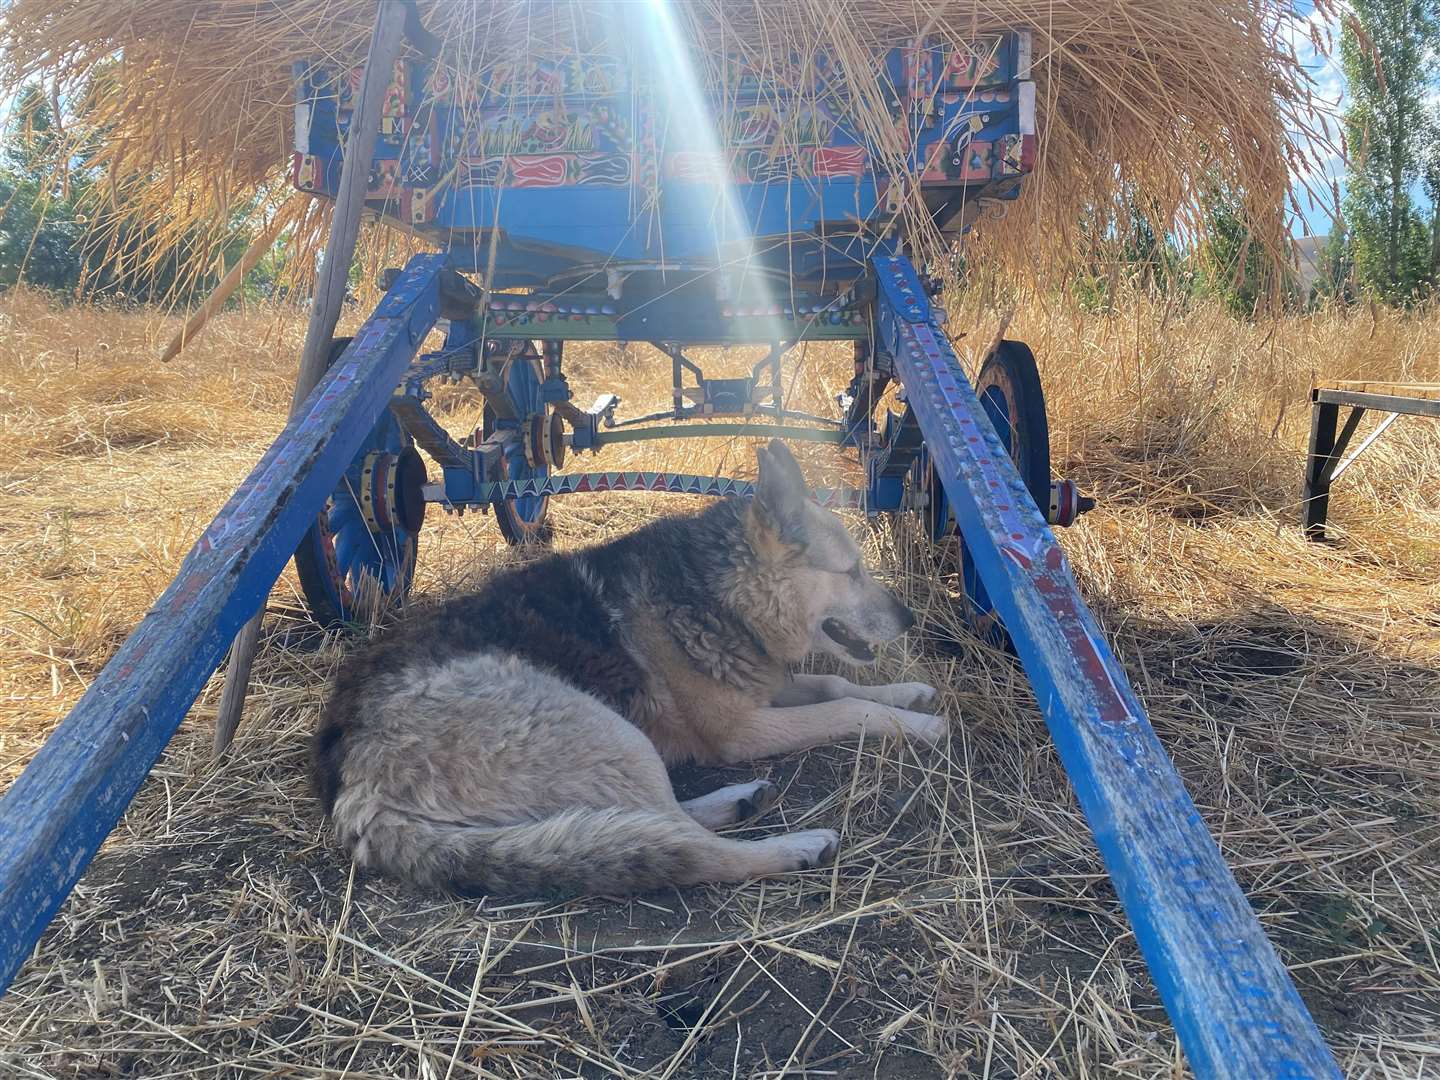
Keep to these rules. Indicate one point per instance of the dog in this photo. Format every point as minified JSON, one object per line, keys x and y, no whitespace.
{"x":515,"y":741}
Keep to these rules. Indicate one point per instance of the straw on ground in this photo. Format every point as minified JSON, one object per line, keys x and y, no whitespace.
{"x":968,"y":928}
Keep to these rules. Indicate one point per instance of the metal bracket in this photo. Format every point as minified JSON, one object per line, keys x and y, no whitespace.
{"x":585,"y":427}
{"x":1365,"y":443}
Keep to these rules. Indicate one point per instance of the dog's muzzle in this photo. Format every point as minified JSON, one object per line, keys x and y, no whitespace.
{"x":837,"y":633}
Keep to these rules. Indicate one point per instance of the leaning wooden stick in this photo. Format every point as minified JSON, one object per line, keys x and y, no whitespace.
{"x":232,"y":279}
{"x":334,"y":274}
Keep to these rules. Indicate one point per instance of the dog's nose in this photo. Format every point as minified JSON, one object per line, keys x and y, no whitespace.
{"x":907,"y":617}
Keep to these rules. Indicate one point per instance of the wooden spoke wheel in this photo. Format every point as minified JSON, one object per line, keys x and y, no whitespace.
{"x":359,"y":556}
{"x":531,"y":456}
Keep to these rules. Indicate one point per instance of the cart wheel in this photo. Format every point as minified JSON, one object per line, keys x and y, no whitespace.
{"x":522,"y":521}
{"x":1008,"y":387}
{"x":359,"y":556}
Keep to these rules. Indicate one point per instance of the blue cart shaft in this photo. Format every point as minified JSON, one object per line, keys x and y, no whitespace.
{"x":56,"y":815}
{"x":1233,"y":1005}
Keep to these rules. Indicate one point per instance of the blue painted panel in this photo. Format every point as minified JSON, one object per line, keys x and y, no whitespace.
{"x":55,"y":816}
{"x":595,"y":219}
{"x":586,"y":159}
{"x":1233,"y":1005}
{"x":580,"y":223}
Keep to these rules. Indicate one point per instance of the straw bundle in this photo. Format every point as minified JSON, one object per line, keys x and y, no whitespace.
{"x":1142,"y":103}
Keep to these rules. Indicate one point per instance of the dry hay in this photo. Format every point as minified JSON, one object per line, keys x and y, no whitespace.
{"x":968,"y":929}
{"x":1145,"y":105}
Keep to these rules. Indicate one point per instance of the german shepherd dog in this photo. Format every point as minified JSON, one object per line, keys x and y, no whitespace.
{"x":515,"y":741}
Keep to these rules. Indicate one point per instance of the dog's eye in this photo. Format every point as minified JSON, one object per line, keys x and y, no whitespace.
{"x":857,"y":572}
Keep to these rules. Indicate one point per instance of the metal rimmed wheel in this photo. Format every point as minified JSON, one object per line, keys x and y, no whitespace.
{"x":359,"y":556}
{"x":523,"y":520}
{"x":1009,"y":390}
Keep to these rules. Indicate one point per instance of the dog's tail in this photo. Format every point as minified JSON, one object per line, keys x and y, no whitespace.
{"x":613,"y":851}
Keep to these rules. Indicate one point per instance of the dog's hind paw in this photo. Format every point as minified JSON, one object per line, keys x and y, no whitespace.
{"x":733,"y":804}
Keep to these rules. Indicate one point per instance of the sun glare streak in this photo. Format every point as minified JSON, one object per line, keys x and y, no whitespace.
{"x":691,"y":130}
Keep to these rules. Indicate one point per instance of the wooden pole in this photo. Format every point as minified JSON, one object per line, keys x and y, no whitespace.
{"x":232,"y":279}
{"x":385,"y":42}
{"x":237,"y":681}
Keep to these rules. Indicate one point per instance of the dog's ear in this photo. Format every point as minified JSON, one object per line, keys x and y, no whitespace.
{"x":780,"y":493}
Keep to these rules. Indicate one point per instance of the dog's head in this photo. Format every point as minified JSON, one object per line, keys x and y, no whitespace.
{"x":846,"y":611}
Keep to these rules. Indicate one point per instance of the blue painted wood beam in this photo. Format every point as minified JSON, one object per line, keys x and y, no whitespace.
{"x":1232,"y":1002}
{"x":59,"y":811}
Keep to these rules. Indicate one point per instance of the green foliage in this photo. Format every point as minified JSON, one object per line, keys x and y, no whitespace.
{"x":1430,"y":179}
{"x":1337,"y":270}
{"x":41,"y":232}
{"x":46,"y":236}
{"x":1233,"y":266}
{"x":1126,"y":252}
{"x":1391,"y":139}
{"x":40,"y":239}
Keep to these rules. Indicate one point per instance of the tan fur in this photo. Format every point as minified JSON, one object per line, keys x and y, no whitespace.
{"x":473,"y":752}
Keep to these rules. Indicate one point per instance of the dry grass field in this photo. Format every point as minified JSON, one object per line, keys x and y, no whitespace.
{"x":968,"y":929}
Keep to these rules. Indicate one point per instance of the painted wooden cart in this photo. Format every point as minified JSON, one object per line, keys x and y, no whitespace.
{"x":611,"y":197}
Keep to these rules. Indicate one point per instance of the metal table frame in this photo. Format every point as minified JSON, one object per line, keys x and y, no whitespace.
{"x":1329,"y":439}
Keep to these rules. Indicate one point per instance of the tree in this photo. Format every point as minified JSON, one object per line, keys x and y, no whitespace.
{"x":46,"y":234}
{"x":1153,"y":257}
{"x":1124,"y":249}
{"x":1337,"y":269}
{"x":1236,"y":265}
{"x":1430,"y":177}
{"x":41,"y":233}
{"x":1387,"y":52}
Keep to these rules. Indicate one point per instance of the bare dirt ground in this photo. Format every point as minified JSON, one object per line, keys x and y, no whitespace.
{"x":968,"y":929}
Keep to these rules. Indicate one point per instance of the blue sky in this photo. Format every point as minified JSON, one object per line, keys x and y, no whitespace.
{"x":1328,"y":165}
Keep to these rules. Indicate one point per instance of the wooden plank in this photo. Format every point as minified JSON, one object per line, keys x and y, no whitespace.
{"x":1421,"y":391}
{"x":385,"y":41}
{"x":231,"y":281}
{"x":1230,"y":998}
{"x":65,"y":803}
{"x":237,"y":683}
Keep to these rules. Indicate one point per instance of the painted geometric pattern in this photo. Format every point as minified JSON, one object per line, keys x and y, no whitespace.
{"x":584,"y":130}
{"x":675,"y":483}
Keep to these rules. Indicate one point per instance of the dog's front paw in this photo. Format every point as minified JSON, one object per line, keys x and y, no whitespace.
{"x":912,"y":695}
{"x":924,"y":726}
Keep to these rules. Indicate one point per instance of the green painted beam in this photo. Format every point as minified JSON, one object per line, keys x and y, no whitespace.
{"x":694,"y":430}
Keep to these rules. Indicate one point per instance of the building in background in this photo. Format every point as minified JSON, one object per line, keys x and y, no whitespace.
{"x":1310,"y":260}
